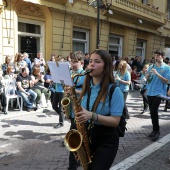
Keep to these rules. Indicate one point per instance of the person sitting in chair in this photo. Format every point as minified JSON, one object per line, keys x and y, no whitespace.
{"x":24,"y":84}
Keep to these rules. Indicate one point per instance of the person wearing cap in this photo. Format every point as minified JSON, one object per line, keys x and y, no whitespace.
{"x":158,"y":76}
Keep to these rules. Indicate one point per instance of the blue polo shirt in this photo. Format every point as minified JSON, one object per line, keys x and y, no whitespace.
{"x":59,"y":88}
{"x":125,"y":77}
{"x":155,"y":85}
{"x":116,"y":104}
{"x":78,"y":80}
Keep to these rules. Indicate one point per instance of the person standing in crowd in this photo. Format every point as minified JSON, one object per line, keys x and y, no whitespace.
{"x":143,"y":89}
{"x":139,"y":65}
{"x":158,"y":76}
{"x":113,"y":60}
{"x":28,"y":61}
{"x":76,"y":69}
{"x":86,"y":61}
{"x":95,"y":106}
{"x":24,"y":84}
{"x":40,"y":62}
{"x":134,"y":63}
{"x":123,"y":80}
{"x":19,"y":62}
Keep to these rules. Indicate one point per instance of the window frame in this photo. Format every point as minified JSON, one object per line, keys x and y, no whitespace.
{"x":143,"y":48}
{"x":120,"y":45}
{"x":86,"y":41}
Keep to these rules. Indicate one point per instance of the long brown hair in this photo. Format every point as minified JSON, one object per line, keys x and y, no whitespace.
{"x":107,"y":79}
{"x":18,"y":56}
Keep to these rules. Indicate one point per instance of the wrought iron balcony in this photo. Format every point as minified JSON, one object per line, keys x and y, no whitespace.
{"x":133,"y":8}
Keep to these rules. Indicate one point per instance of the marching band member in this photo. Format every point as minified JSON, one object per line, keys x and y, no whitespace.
{"x":157,"y":76}
{"x":95,"y":104}
{"x":77,"y":68}
{"x":123,"y":80}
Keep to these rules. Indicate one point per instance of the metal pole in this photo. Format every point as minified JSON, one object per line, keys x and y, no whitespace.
{"x":98,"y":24}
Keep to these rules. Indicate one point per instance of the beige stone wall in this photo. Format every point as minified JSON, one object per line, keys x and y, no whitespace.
{"x":8,"y":31}
{"x":130,"y":44}
{"x":104,"y":35}
{"x":61,"y":31}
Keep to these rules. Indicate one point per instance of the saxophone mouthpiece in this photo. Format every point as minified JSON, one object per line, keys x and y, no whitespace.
{"x":88,"y":71}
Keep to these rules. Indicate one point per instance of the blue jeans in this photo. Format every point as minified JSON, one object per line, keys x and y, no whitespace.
{"x":28,"y":100}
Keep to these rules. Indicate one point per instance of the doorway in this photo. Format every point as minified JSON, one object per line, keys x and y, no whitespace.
{"x":30,"y":37}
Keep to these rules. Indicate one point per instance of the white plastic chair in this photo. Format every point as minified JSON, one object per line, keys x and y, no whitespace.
{"x":10,"y":86}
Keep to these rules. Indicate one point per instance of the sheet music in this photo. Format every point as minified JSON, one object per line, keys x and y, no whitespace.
{"x":60,"y":73}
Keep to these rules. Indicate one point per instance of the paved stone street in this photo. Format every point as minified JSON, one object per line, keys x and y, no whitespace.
{"x":28,"y":141}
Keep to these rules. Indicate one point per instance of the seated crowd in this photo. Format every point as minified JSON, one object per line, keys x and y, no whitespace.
{"x":27,"y":81}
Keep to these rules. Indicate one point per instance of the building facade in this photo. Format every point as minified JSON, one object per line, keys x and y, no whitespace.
{"x":129,"y":28}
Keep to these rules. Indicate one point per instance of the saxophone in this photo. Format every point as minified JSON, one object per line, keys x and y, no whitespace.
{"x":77,"y":141}
{"x":66,"y":104}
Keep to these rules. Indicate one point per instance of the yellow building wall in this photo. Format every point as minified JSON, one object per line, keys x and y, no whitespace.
{"x":8,"y":31}
{"x":61,"y":31}
{"x":61,"y":20}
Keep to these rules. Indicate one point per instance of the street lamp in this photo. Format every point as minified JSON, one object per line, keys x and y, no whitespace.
{"x":103,"y":5}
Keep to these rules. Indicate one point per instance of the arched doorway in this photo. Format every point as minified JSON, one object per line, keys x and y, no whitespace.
{"x":31,"y":35}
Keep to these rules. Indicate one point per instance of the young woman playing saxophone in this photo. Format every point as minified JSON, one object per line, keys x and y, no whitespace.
{"x":95,"y":106}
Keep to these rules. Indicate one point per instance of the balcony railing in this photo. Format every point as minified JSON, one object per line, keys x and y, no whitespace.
{"x":139,"y":9}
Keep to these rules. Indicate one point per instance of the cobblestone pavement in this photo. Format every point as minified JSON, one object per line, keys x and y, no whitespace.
{"x":28,"y":141}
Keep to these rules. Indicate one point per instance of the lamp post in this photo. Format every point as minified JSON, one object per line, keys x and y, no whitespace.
{"x":103,"y":5}
{"x":98,"y":25}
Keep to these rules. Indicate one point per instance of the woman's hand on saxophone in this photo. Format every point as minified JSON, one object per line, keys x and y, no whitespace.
{"x":83,"y":116}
